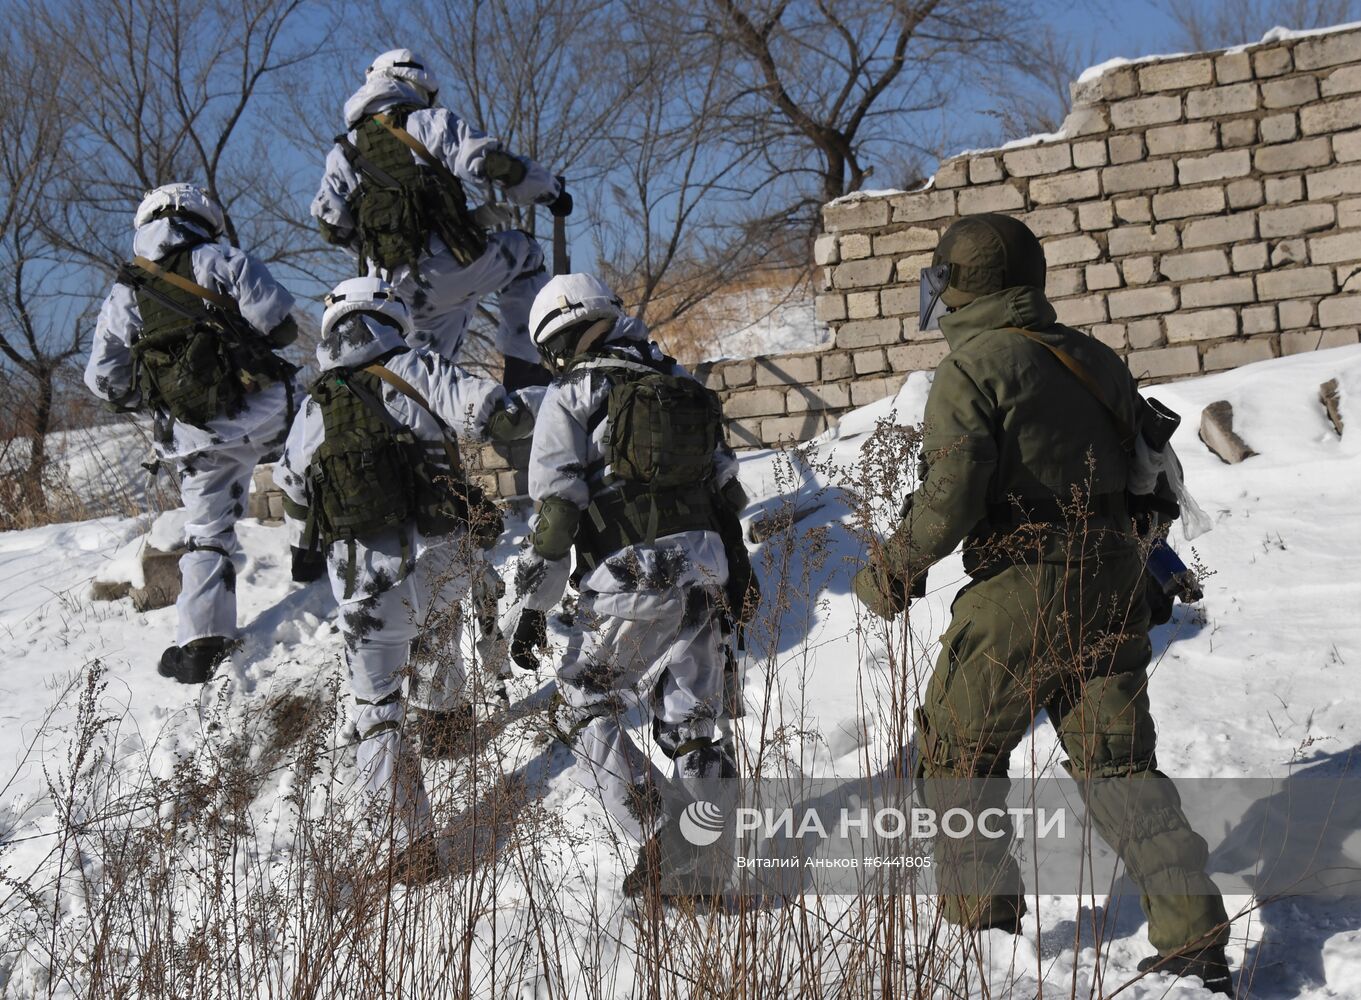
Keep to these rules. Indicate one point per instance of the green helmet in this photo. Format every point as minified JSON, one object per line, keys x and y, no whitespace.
{"x":976,"y":256}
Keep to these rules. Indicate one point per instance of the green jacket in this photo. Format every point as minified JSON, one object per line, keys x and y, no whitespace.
{"x":1005,"y":422}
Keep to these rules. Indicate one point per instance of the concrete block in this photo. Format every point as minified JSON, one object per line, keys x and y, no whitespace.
{"x":1139,"y":176}
{"x":1095,"y":216}
{"x":829,"y":396}
{"x":862,"y":305}
{"x":869,"y":362}
{"x":1331,"y":183}
{"x":1331,"y":116}
{"x":1110,"y":334}
{"x":1283,"y":190}
{"x":1046,"y":222}
{"x":1215,"y":167}
{"x":952,"y":174}
{"x":855,"y":246}
{"x":1295,"y":220}
{"x":836,"y":366}
{"x":1287,"y":252}
{"x":1317,"y":51}
{"x":1212,"y":102}
{"x":1100,"y":277}
{"x":1140,"y":112}
{"x":1066,"y":187}
{"x":1343,"y":80}
{"x":984,"y":169}
{"x":1128,"y":148}
{"x":900,"y":300}
{"x":1216,"y":430}
{"x":1142,"y":301}
{"x":1225,"y":291}
{"x":1345,"y":310}
{"x":1335,"y":249}
{"x":1127,"y":240}
{"x":1043,"y":158}
{"x":1193,"y":201}
{"x":1349,"y":214}
{"x":909,"y":269}
{"x":1294,"y":314}
{"x":754,"y":403}
{"x":1139,"y":270}
{"x":825,"y":249}
{"x":1071,"y":250}
{"x":854,"y":214}
{"x":1091,"y":153}
{"x":1237,"y":353}
{"x":1233,"y":67}
{"x":917,"y":357}
{"x":1136,"y":209}
{"x":1081,"y":312}
{"x":1176,"y":74}
{"x":1289,"y":93}
{"x":922,"y":205}
{"x":829,"y":307}
{"x":1144,"y":333}
{"x":910,"y":240}
{"x":1061,"y":282}
{"x":1208,"y":324}
{"x":1239,"y":132}
{"x":1258,"y":319}
{"x":1164,"y":362}
{"x":991,"y":198}
{"x":1278,"y":128}
{"x":1271,"y":62}
{"x":1302,"y":155}
{"x":1245,"y":193}
{"x":1347,"y":146}
{"x":1233,"y":228}
{"x":1250,"y":257}
{"x":737,"y":374}
{"x":1295,"y":282}
{"x":1172,"y":139}
{"x":868,"y":333}
{"x":160,"y":578}
{"x":1194,"y":265}
{"x":863,"y":273}
{"x":786,"y":369}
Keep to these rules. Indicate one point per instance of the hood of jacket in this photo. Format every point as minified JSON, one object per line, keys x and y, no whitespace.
{"x":356,"y":340}
{"x":158,"y":237}
{"x":627,"y":330}
{"x":378,"y":94}
{"x":1022,"y":306}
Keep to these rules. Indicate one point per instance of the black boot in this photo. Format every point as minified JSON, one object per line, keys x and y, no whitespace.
{"x":194,"y":663}
{"x":442,"y":735}
{"x":1210,"y":965}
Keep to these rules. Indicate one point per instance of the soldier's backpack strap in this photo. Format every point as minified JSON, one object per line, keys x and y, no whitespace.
{"x":1079,"y":371}
{"x":416,"y":146}
{"x":410,"y":391}
{"x":185,"y":285}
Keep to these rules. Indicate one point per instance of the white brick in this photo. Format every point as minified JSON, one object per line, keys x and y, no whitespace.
{"x":1349,"y":214}
{"x":862,"y":305}
{"x":812,"y":396}
{"x":984,"y":169}
{"x":1289,"y":93}
{"x":907,"y":240}
{"x":1343,"y":80}
{"x":1233,"y":67}
{"x":1235,"y":99}
{"x":1081,"y":312}
{"x":921,"y":206}
{"x":1182,"y":138}
{"x":1327,"y":50}
{"x":1103,"y":276}
{"x":1029,"y":161}
{"x":1138,"y":176}
{"x":754,"y":403}
{"x":1347,"y":146}
{"x":1126,"y":148}
{"x":829,"y":307}
{"x":1137,"y":209}
{"x":863,"y":273}
{"x":869,"y":362}
{"x":1279,"y":128}
{"x":993,"y":198}
{"x":1144,"y":333}
{"x":1271,"y":62}
{"x":1061,"y":282}
{"x":1138,"y":270}
{"x":917,"y":357}
{"x":1244,"y":193}
{"x":855,"y":213}
{"x":1194,"y":265}
{"x":1176,"y":74}
{"x":855,"y":246}
{"x":1344,"y":310}
{"x":1250,"y":257}
{"x":1089,"y":154}
{"x":1065,"y":187}
{"x":1296,"y":219}
{"x":1314,"y":340}
{"x":1295,"y":282}
{"x":1239,"y":132}
{"x":1071,"y":250}
{"x":1258,"y":319}
{"x":1237,"y":353}
{"x":951,"y":174}
{"x":1046,"y":222}
{"x":1331,"y":183}
{"x":1335,"y":249}
{"x":1232,"y":228}
{"x":1225,"y":291}
{"x":1215,"y":167}
{"x":1164,"y":362}
{"x":1142,"y":301}
{"x":1295,"y":314}
{"x":1110,"y":334}
{"x":825,"y":250}
{"x":1096,"y":215}
{"x":868,"y":333}
{"x":1333,"y":116}
{"x":1294,"y":156}
{"x":1284,"y":190}
{"x":1144,"y":111}
{"x":1128,"y":240}
{"x":1194,"y":201}
{"x":1209,"y":324}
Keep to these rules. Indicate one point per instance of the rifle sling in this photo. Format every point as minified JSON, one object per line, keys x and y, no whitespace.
{"x":185,"y":285}
{"x":416,"y":146}
{"x":409,"y":391}
{"x":1089,"y":383}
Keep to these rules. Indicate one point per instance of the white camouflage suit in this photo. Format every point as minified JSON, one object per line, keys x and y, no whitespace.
{"x":444,"y":295}
{"x":647,"y":629}
{"x":214,"y":464}
{"x":404,"y":584}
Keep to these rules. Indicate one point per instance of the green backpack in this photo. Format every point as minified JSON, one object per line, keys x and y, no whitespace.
{"x":659,"y":446}
{"x":185,"y":366}
{"x":401,"y":202}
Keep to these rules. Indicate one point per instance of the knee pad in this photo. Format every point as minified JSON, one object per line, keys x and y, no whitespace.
{"x":942,"y":752}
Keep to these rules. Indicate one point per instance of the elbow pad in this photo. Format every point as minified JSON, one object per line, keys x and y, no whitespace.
{"x":555,"y":528}
{"x":504,"y":169}
{"x":506,"y":425}
{"x":284,"y":333}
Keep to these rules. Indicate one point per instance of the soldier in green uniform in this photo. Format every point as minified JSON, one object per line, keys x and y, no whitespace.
{"x":1029,"y":447}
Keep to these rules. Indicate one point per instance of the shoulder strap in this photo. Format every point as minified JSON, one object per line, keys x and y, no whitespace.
{"x":409,"y":391}
{"x":416,"y":146}
{"x":1085,"y":377}
{"x":184,"y":284}
{"x":636,"y":366}
{"x":363,"y":163}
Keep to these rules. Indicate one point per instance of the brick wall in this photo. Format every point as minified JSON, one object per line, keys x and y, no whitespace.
{"x":1197,"y":214}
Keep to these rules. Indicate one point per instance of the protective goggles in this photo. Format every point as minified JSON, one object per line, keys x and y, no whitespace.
{"x":933,"y":284}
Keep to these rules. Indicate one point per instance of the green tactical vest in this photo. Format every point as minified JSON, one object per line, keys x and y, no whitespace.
{"x":371,"y":472}
{"x":661,"y":436}
{"x":395,"y":223}
{"x":184,"y":367}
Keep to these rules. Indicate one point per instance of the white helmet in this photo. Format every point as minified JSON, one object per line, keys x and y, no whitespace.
{"x":570,"y":315}
{"x":370,"y":295}
{"x":186,"y":200}
{"x":405,"y":65}
{"x":364,"y":319}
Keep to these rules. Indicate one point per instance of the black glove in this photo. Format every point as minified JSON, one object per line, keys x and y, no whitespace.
{"x":530,"y":635}
{"x":561,"y":206}
{"x":308,"y":565}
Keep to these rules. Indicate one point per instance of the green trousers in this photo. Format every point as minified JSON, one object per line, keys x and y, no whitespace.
{"x":1072,"y":640}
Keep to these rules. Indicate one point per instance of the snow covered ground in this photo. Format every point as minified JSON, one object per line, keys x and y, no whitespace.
{"x":1259,"y":681}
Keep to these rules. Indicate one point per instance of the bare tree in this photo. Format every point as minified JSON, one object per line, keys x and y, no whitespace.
{"x":1029,"y":90}
{"x":1213,"y":24}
